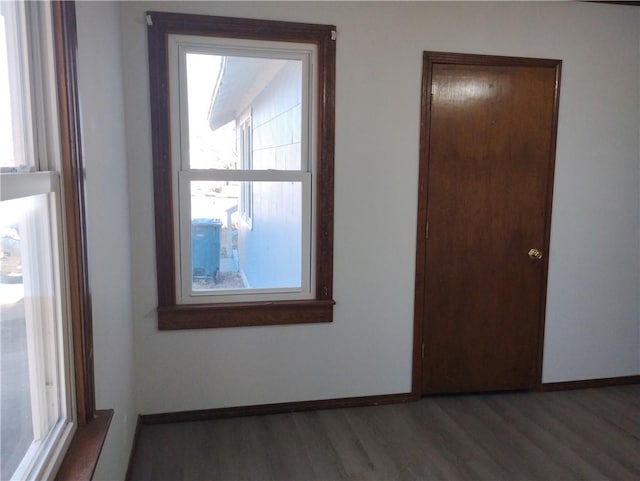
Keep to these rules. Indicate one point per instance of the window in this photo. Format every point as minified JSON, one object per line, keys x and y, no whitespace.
{"x":48,"y":420}
{"x":242,"y":114}
{"x":37,"y":411}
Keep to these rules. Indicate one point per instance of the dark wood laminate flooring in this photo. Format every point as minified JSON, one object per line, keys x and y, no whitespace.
{"x":589,"y":434}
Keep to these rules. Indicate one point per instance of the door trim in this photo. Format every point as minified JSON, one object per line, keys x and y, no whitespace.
{"x":429,"y":59}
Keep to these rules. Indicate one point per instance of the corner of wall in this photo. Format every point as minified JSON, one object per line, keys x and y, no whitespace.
{"x":100,"y":75}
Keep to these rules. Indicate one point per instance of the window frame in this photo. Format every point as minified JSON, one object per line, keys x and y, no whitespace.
{"x":80,"y":460}
{"x":77,"y":457}
{"x":47,"y":322}
{"x":184,"y":175}
{"x":171,"y":314}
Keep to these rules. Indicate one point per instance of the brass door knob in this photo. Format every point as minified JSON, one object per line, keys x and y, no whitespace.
{"x":535,"y":254}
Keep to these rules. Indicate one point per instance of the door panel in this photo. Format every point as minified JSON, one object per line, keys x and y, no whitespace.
{"x":489,"y":163}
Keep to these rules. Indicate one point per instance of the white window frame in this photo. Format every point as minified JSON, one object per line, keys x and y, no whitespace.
{"x":38,"y":135}
{"x":182,"y":175}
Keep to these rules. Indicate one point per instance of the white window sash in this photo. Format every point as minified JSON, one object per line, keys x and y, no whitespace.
{"x":20,"y":82}
{"x":17,"y":185}
{"x":183,"y":249}
{"x":45,"y":467}
{"x":181,"y":45}
{"x":269,"y":175}
{"x":49,"y":363}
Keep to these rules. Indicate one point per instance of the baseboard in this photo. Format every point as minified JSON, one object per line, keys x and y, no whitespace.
{"x":590,"y":383}
{"x":278,"y":408}
{"x":340,"y":403}
{"x":134,"y":447}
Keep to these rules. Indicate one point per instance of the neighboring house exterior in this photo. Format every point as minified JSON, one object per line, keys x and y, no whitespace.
{"x":264,"y":97}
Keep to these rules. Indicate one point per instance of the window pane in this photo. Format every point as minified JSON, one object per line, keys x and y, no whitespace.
{"x":30,"y":378}
{"x":244,"y":112}
{"x":15,"y":132}
{"x":246,"y":235}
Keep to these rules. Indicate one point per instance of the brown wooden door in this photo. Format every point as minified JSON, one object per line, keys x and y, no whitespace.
{"x":487,"y":165}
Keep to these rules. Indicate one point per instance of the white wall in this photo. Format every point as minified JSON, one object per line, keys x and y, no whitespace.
{"x":102,"y":112}
{"x":592,"y":306}
{"x":592,"y":312}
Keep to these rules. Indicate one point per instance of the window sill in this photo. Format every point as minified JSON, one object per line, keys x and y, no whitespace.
{"x":202,"y":316}
{"x":82,"y":456}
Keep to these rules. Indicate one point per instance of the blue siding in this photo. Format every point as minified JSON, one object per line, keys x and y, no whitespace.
{"x":270,"y":252}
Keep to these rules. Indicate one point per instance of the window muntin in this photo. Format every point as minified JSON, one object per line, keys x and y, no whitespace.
{"x":256,"y":100}
{"x":36,"y":362}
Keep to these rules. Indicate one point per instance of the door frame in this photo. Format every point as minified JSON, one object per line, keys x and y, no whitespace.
{"x":429,"y":59}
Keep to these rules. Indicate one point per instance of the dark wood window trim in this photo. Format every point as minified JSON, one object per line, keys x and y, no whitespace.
{"x":170,"y":314}
{"x":72,"y":171}
{"x":82,"y":456}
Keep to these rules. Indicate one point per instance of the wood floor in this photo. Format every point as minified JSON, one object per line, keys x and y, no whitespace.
{"x":583,"y":434}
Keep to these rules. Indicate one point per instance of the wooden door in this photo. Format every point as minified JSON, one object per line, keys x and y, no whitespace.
{"x":486,"y":174}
